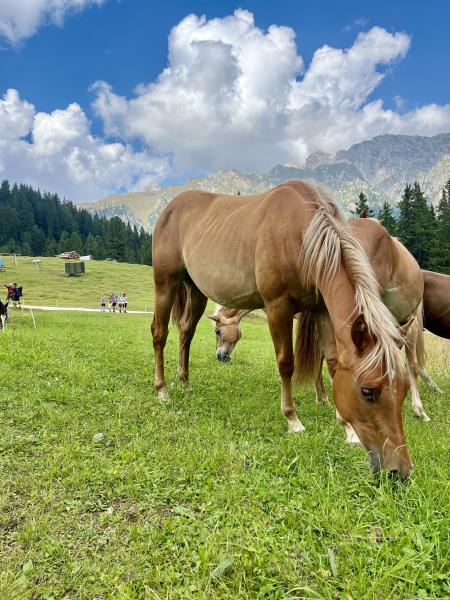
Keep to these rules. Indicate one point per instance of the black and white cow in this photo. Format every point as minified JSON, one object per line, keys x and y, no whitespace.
{"x":3,"y":314}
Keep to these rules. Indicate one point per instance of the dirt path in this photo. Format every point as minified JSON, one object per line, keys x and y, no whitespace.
{"x":79,"y":309}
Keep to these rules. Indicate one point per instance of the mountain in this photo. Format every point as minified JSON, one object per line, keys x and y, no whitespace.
{"x":379,"y":167}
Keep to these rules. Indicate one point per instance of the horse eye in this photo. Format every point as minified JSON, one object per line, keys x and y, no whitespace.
{"x":370,"y":394}
{"x":218,"y":332}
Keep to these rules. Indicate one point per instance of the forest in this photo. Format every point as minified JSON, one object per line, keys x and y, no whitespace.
{"x":40,"y":224}
{"x":422,"y":227}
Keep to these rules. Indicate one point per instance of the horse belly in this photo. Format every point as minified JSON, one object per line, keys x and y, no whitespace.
{"x":226,"y":284}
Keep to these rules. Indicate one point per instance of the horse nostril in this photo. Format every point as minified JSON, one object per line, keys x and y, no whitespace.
{"x":397,"y":475}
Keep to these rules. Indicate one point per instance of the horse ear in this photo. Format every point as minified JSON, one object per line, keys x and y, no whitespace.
{"x":215,"y":318}
{"x":360,"y":333}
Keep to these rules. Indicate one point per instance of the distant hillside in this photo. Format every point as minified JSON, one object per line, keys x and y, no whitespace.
{"x":379,"y":167}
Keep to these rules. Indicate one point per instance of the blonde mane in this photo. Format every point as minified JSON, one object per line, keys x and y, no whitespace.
{"x":328,"y":245}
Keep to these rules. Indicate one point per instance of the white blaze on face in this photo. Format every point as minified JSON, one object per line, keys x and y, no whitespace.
{"x":218,"y":309}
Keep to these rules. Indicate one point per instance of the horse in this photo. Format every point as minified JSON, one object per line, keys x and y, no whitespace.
{"x":3,"y":314}
{"x":227,"y":320}
{"x":286,"y":250}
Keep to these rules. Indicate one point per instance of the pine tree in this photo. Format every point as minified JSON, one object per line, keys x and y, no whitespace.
{"x":387,"y":219}
{"x":51,"y":248}
{"x":76,"y":242}
{"x":362,"y":207}
{"x":89,"y":246}
{"x":38,"y":241}
{"x":440,"y":252}
{"x":64,"y":243}
{"x":99,"y":248}
{"x":4,"y":191}
{"x":116,"y":239}
{"x":26,"y":246}
{"x":416,"y":224}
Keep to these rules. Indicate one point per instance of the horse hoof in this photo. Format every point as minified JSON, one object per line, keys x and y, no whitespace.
{"x":295,"y":427}
{"x":322,"y":401}
{"x":163,"y":395}
{"x":421,"y":414}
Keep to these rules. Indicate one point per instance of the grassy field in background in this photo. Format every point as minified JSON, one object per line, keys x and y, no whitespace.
{"x":108,"y":494}
{"x":47,"y":285}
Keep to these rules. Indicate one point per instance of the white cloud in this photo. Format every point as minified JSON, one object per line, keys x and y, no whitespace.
{"x":56,"y":151}
{"x":357,"y":23}
{"x":233,"y":95}
{"x":20,"y":19}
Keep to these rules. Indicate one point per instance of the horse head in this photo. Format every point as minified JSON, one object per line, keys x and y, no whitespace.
{"x":371,"y":401}
{"x":228,"y":334}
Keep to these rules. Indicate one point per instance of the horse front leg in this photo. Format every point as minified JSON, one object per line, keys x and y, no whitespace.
{"x":279,"y":316}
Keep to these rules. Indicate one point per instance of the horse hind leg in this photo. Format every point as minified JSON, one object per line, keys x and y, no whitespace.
{"x":412,"y":367}
{"x":321,"y":392}
{"x":430,"y":383}
{"x":279,"y":316}
{"x":165,"y":292}
{"x":195,"y":307}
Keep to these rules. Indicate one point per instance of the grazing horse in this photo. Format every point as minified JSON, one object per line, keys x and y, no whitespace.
{"x":3,"y":314}
{"x":286,"y":250}
{"x":402,"y":299}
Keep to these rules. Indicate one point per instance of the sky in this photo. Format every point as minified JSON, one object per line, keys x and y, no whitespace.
{"x":99,"y":97}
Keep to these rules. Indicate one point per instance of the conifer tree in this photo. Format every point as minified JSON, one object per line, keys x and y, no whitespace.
{"x":362,"y":207}
{"x":416,"y":224}
{"x":387,"y":219}
{"x":51,"y":248}
{"x":440,"y":252}
{"x":76,"y":242}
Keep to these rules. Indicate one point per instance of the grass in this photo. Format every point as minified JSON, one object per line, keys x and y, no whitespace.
{"x":47,"y":285}
{"x":106,"y":493}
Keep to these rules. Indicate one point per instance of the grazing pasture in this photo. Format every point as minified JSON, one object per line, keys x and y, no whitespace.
{"x":45,"y":283}
{"x":107,"y":493}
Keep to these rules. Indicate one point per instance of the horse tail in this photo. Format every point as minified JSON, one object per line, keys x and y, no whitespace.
{"x":420,"y":344}
{"x":182,"y":305}
{"x":308,"y":349}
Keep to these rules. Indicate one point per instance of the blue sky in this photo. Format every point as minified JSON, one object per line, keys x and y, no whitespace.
{"x":125,"y":44}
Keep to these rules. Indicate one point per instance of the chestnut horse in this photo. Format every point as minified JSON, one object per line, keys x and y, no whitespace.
{"x":286,"y":250}
{"x":227,"y":320}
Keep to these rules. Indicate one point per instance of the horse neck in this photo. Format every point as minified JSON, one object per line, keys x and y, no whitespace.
{"x":234,"y":313}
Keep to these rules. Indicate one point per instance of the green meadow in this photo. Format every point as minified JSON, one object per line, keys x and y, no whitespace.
{"x":106,"y":493}
{"x":46,"y":284}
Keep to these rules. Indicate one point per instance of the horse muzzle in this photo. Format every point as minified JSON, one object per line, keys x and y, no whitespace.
{"x":223,"y":356}
{"x":396,"y":469}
